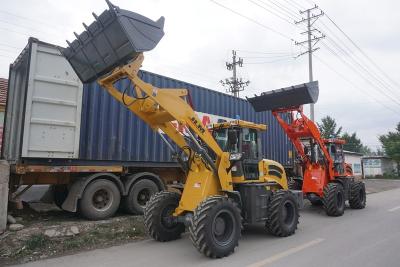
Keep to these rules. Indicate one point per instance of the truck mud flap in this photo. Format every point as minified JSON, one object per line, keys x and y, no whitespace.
{"x":288,"y":97}
{"x":114,"y":38}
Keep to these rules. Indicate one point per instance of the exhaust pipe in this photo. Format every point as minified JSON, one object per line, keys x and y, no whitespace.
{"x":288,"y":97}
{"x":115,"y":37}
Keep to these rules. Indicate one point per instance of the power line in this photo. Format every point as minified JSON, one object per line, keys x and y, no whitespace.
{"x":365,"y":78}
{"x":377,"y":67}
{"x":288,"y":11}
{"x":253,"y":20}
{"x":51,"y":26}
{"x":355,"y":85}
{"x":270,"y":11}
{"x":259,"y":52}
{"x":268,"y":62}
{"x":358,"y":61}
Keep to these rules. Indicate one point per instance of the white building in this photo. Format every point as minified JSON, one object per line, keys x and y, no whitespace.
{"x":378,"y":165}
{"x":354,"y":159}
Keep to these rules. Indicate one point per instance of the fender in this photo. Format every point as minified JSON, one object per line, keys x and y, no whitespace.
{"x":78,"y":187}
{"x":133,"y":178}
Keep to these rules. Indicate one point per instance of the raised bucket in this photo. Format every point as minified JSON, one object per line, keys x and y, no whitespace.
{"x":288,"y":97}
{"x":113,"y":39}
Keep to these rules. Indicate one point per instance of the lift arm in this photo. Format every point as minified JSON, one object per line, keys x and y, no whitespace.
{"x":159,"y":108}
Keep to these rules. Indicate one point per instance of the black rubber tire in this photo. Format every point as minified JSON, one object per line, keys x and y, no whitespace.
{"x":283,"y":214}
{"x":139,"y":193}
{"x":161,"y":205}
{"x":213,"y":213}
{"x":95,"y":209}
{"x":334,"y":199}
{"x":358,"y":196}
{"x":60,"y":194}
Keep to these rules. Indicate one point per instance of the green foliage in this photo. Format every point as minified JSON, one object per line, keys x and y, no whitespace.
{"x":391,"y":145}
{"x":328,"y":128}
{"x":354,"y":144}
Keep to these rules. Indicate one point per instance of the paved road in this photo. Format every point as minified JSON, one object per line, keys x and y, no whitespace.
{"x":369,"y":237}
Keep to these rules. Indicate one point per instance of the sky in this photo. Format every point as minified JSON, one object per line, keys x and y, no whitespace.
{"x":200,"y":35}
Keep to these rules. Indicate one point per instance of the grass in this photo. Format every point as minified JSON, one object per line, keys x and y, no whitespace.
{"x":37,"y":241}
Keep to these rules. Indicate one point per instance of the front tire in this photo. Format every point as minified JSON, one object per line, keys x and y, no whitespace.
{"x":216,"y":227}
{"x":157,"y":217}
{"x":358,"y":196}
{"x":283,"y":214}
{"x":334,"y":199}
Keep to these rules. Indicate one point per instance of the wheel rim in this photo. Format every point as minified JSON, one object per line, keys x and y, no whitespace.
{"x":223,"y":227}
{"x":288,"y":214}
{"x":166,"y":217}
{"x":102,"y":199}
{"x":143,"y":196}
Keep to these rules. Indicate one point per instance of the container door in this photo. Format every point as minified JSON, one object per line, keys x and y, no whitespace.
{"x":53,"y":106}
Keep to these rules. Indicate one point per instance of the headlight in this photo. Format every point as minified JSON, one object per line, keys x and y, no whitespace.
{"x":235,"y":156}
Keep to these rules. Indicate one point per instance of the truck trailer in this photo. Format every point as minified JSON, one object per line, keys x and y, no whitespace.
{"x":95,"y":153}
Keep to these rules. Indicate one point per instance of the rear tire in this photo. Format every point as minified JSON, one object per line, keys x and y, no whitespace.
{"x":100,"y":200}
{"x":358,"y":197}
{"x":216,"y":227}
{"x":283,"y":214}
{"x":156,"y":213}
{"x":139,"y":194}
{"x":334,"y":199}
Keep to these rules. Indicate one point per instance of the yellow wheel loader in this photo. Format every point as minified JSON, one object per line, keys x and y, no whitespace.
{"x":228,"y":184}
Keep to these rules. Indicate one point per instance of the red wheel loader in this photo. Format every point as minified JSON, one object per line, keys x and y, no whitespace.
{"x":326,"y":179}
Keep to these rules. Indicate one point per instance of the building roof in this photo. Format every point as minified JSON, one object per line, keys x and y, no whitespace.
{"x":352,"y":153}
{"x":376,"y":157}
{"x":3,"y":91}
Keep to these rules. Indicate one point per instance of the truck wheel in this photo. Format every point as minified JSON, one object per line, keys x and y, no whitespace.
{"x":216,"y":227}
{"x":333,"y":199}
{"x":139,"y":193}
{"x":158,"y":217}
{"x":358,"y":197}
{"x":100,"y":200}
{"x":60,"y":194}
{"x":283,"y":214}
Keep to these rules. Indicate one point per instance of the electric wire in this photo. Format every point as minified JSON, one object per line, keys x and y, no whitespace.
{"x":355,"y":85}
{"x":365,"y":78}
{"x":253,"y":20}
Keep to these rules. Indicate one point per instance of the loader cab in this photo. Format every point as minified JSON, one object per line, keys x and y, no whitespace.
{"x":335,"y":149}
{"x":245,"y":138}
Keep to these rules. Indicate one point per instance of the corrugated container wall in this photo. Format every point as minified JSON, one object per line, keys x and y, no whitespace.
{"x":111,"y":132}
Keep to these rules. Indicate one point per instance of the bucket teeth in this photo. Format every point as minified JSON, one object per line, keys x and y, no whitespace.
{"x":114,"y":38}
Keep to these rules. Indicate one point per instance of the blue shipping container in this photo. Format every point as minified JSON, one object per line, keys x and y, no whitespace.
{"x":109,"y":131}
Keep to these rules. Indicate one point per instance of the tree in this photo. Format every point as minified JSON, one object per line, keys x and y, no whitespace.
{"x":391,"y":145}
{"x":328,"y":126}
{"x":354,"y":144}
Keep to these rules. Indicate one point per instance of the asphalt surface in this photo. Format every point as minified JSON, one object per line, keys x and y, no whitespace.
{"x":368,"y":237}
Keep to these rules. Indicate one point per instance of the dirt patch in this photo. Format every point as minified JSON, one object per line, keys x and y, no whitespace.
{"x":57,"y":233}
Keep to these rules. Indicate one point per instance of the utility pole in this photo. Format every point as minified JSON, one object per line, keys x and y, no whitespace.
{"x":312,"y":40}
{"x":234,"y":85}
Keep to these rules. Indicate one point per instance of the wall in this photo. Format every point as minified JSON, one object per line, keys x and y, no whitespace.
{"x":355,"y":161}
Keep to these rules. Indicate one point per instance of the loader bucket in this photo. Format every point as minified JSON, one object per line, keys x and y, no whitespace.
{"x":113,"y":39}
{"x":288,"y":97}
